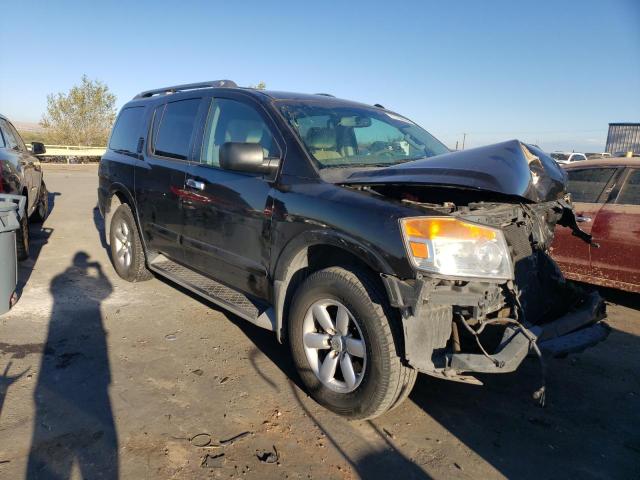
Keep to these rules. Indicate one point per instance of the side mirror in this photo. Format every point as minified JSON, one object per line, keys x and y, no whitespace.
{"x":246,"y":157}
{"x":37,"y":148}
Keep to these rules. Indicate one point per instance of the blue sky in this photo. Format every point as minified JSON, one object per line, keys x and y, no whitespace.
{"x":549,"y":72}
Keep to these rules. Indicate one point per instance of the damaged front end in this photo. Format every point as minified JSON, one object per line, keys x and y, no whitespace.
{"x":456,"y":326}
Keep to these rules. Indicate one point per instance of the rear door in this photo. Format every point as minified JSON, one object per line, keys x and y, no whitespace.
{"x":617,"y":230}
{"x":228,"y":214}
{"x":589,"y":189}
{"x":160,"y":178}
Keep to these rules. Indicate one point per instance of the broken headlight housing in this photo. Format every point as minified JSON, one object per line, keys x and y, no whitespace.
{"x":453,"y":247}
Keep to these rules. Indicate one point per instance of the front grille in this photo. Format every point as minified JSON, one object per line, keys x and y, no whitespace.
{"x":518,"y":239}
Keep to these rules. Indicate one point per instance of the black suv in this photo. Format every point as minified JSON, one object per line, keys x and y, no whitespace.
{"x":350,"y":232}
{"x":21,"y":174}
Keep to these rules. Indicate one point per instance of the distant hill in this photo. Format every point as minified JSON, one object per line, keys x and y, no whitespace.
{"x":27,"y":126}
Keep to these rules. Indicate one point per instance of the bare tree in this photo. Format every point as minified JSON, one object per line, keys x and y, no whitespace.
{"x":83,"y":116}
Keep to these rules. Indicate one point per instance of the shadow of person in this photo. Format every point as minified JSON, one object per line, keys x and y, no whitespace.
{"x":73,"y":420}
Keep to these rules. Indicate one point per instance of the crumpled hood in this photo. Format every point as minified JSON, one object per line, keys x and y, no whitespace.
{"x":510,"y":168}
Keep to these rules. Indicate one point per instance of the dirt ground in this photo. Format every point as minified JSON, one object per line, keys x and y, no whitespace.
{"x":100,"y":378}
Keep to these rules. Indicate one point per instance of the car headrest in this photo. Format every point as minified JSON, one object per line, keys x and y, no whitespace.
{"x":244,"y":131}
{"x":321,"y":138}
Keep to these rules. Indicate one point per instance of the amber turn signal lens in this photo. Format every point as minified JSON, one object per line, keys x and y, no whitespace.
{"x":430,"y":228}
{"x":419,"y":250}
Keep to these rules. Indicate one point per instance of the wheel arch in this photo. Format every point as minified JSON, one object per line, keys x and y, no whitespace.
{"x":312,"y":251}
{"x":118,"y":195}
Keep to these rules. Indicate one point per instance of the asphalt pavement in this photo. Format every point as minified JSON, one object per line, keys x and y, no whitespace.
{"x":100,"y":378}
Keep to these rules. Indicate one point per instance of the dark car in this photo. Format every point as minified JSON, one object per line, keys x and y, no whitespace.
{"x":21,"y":174}
{"x":606,"y":196}
{"x":350,"y":232}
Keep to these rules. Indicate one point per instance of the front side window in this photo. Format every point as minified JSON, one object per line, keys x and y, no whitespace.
{"x":630,"y":193}
{"x":16,"y":135}
{"x":176,"y":126}
{"x":587,"y":185}
{"x":126,"y":131}
{"x":234,"y":121}
{"x":341,"y":136}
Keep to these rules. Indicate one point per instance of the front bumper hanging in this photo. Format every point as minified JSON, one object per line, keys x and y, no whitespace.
{"x":573,"y":332}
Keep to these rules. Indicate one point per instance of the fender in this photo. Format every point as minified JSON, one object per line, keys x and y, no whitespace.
{"x":294,"y":257}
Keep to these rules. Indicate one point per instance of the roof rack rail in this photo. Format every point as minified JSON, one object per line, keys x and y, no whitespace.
{"x":186,"y":86}
{"x":326,"y":95}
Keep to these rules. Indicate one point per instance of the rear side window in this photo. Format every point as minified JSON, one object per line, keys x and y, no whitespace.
{"x":630,"y":194}
{"x":587,"y":185}
{"x":126,"y":132}
{"x":176,"y":126}
{"x":9,"y":137}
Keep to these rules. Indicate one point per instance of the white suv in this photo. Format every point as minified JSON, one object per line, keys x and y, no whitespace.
{"x":568,"y":157}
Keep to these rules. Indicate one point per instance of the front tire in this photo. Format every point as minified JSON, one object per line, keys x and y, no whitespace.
{"x":344,"y":344}
{"x":127,"y":253}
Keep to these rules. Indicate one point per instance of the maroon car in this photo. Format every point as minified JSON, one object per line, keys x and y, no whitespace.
{"x":606,"y":197}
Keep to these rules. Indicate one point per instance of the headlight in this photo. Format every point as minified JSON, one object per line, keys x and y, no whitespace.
{"x":449,"y":246}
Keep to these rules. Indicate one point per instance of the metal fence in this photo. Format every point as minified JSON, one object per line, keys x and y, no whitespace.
{"x":71,"y":154}
{"x":623,"y":137}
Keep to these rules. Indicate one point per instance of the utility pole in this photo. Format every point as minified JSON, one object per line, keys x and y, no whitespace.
{"x":464,"y":137}
{"x":456,"y":145}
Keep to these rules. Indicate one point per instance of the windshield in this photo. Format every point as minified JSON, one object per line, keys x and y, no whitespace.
{"x":351,"y":136}
{"x":560,"y":156}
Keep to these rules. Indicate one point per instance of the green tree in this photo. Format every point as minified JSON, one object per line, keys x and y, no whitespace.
{"x":83,"y":116}
{"x":260,"y":86}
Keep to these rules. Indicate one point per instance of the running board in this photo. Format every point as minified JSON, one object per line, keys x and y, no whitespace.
{"x":228,"y":298}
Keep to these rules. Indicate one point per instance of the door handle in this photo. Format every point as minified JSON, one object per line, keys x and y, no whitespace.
{"x":191,"y":183}
{"x":582,"y":219}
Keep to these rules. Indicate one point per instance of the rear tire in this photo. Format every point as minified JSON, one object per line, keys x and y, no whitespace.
{"x":127,"y":254}
{"x":382,"y":381}
{"x":22,"y":238}
{"x":42,"y":208}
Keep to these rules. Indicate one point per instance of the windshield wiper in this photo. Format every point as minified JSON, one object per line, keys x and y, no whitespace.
{"x":375,"y":165}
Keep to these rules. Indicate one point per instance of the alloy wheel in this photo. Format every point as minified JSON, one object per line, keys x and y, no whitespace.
{"x":123,"y":246}
{"x":334,"y":345}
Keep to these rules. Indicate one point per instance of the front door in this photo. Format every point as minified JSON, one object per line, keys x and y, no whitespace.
{"x":589,"y":188}
{"x":25,"y":163}
{"x":617,"y":230}
{"x":228,"y":214}
{"x":160,"y":179}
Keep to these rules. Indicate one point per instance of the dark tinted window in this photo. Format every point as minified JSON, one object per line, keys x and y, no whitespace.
{"x":233,"y":121}
{"x":18,"y":138}
{"x":9,"y":137}
{"x":175,"y":129}
{"x":127,"y":130}
{"x":630,"y":193}
{"x":587,"y":185}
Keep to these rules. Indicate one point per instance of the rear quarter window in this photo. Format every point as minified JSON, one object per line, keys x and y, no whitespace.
{"x":587,"y":185}
{"x":126,"y":131}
